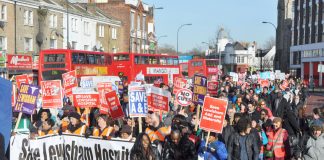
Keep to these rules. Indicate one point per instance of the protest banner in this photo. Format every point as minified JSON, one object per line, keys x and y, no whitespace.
{"x":85,"y":97}
{"x":148,"y":89}
{"x":265,"y":75}
{"x":160,"y":99}
{"x":137,"y":101}
{"x":213,"y":114}
{"x":199,"y":89}
{"x":103,"y":88}
{"x":234,"y":76}
{"x":5,"y":112}
{"x":68,"y":147}
{"x":178,"y":84}
{"x":52,"y":94}
{"x":115,"y":108}
{"x":184,"y":97}
{"x":92,"y":81}
{"x":264,"y":83}
{"x":212,"y":87}
{"x":20,"y":79}
{"x":69,"y":81}
{"x":27,"y":98}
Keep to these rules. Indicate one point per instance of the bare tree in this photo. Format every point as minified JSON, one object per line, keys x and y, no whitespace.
{"x":269,"y":43}
{"x":199,"y":51}
{"x":167,"y":48}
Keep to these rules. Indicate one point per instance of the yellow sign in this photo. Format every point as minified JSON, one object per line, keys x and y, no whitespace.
{"x":89,"y":70}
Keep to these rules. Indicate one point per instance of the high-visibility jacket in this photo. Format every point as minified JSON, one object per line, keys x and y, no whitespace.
{"x":158,"y":133}
{"x":277,"y":142}
{"x":42,"y":133}
{"x":106,"y":132}
{"x":80,"y":131}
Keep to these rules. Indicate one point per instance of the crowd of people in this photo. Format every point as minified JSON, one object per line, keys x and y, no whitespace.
{"x":260,"y":123}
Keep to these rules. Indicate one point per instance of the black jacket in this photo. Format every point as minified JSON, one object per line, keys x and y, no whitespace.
{"x":227,"y":131}
{"x":278,"y":110}
{"x":290,"y":122}
{"x":185,"y":150}
{"x":234,"y":149}
{"x":140,"y":156}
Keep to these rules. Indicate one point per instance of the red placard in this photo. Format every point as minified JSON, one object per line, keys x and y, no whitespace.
{"x":179,"y":83}
{"x":103,"y":88}
{"x":20,"y":79}
{"x":69,"y":81}
{"x":52,"y":94}
{"x":86,"y":100}
{"x":19,"y":61}
{"x":115,"y":108}
{"x":212,"y":87}
{"x":184,"y":97}
{"x":264,"y":83}
{"x":213,"y":114}
{"x":159,"y":99}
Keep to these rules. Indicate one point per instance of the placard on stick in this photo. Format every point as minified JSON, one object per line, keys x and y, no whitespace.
{"x":213,"y":114}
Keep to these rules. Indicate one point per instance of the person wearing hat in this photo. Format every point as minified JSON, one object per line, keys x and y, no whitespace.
{"x":76,"y":126}
{"x":215,"y":149}
{"x":126,"y":132}
{"x":315,"y":144}
{"x":43,"y":115}
{"x":47,"y":128}
{"x":105,"y":127}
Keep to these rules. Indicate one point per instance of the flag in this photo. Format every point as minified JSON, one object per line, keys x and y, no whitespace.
{"x":6,"y":110}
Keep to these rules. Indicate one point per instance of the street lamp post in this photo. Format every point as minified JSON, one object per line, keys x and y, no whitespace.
{"x":157,"y":42}
{"x":220,"y":53}
{"x":207,"y":45}
{"x":188,"y":24}
{"x":274,"y":26}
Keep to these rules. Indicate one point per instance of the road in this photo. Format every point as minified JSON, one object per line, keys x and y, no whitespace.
{"x":315,"y":100}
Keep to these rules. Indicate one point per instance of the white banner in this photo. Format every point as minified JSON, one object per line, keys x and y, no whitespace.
{"x":68,"y":147}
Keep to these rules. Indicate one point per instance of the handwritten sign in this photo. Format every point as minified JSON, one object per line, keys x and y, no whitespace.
{"x":184,"y":97}
{"x":199,"y":89}
{"x":69,"y":81}
{"x":213,"y":114}
{"x":137,"y":101}
{"x":52,"y":94}
{"x":27,"y":98}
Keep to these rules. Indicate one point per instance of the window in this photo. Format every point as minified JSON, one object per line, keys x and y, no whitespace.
{"x":3,"y":43}
{"x":101,"y":30}
{"x":132,"y":21}
{"x":53,"y":21}
{"x":54,"y":58}
{"x":86,"y":47}
{"x":113,"y":33}
{"x":239,"y":59}
{"x":144,"y":23}
{"x":196,"y":64}
{"x":138,"y":22}
{"x":53,"y":43}
{"x":3,"y":12}
{"x":74,"y":24}
{"x":86,"y":28}
{"x":28,"y":44}
{"x":28,"y":17}
{"x":121,"y":57}
{"x":90,"y":59}
{"x":114,"y":50}
{"x":211,"y":63}
{"x":153,"y":60}
{"x":74,"y":44}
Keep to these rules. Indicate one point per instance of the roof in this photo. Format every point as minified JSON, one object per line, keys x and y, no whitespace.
{"x":239,"y":46}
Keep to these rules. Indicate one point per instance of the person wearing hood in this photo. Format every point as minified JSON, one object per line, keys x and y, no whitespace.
{"x":215,"y":149}
{"x":315,"y":144}
{"x":76,"y":127}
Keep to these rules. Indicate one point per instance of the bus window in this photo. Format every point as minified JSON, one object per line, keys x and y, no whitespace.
{"x":97,"y":59}
{"x":152,"y":60}
{"x":75,"y":57}
{"x":163,"y":61}
{"x":121,"y":57}
{"x":196,"y":64}
{"x":108,"y":58}
{"x":211,"y":63}
{"x":175,"y":61}
{"x":90,"y":59}
{"x":144,"y":60}
{"x":137,"y":60}
{"x":54,"y":57}
{"x":82,"y":58}
{"x":170,"y":61}
{"x":60,"y":57}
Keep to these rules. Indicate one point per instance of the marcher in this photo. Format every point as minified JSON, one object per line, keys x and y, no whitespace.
{"x":215,"y":149}
{"x":315,"y":144}
{"x":143,"y":149}
{"x":76,"y":126}
{"x":47,"y":128}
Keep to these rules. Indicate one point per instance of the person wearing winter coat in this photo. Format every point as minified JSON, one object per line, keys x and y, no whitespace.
{"x":315,"y":145}
{"x":143,"y":149}
{"x":215,"y":149}
{"x":242,"y":145}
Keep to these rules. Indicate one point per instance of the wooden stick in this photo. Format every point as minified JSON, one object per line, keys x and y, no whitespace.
{"x":12,"y":78}
{"x":197,"y":117}
{"x":207,"y":138}
{"x":140,"y":124}
{"x":87,"y":116}
{"x":18,"y":121}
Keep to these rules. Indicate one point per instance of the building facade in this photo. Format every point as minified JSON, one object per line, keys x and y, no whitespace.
{"x":137,"y":20}
{"x":307,"y":50}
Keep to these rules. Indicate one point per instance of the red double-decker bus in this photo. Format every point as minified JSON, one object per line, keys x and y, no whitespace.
{"x":53,"y":63}
{"x":154,"y":67}
{"x":206,"y":67}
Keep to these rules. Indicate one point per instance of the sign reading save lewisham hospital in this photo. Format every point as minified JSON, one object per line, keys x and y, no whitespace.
{"x":213,"y":114}
{"x":68,"y":147}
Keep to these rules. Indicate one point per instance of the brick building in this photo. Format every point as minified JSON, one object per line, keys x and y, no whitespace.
{"x":137,"y":21}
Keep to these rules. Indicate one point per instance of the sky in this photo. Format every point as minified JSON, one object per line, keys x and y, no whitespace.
{"x":242,"y":18}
